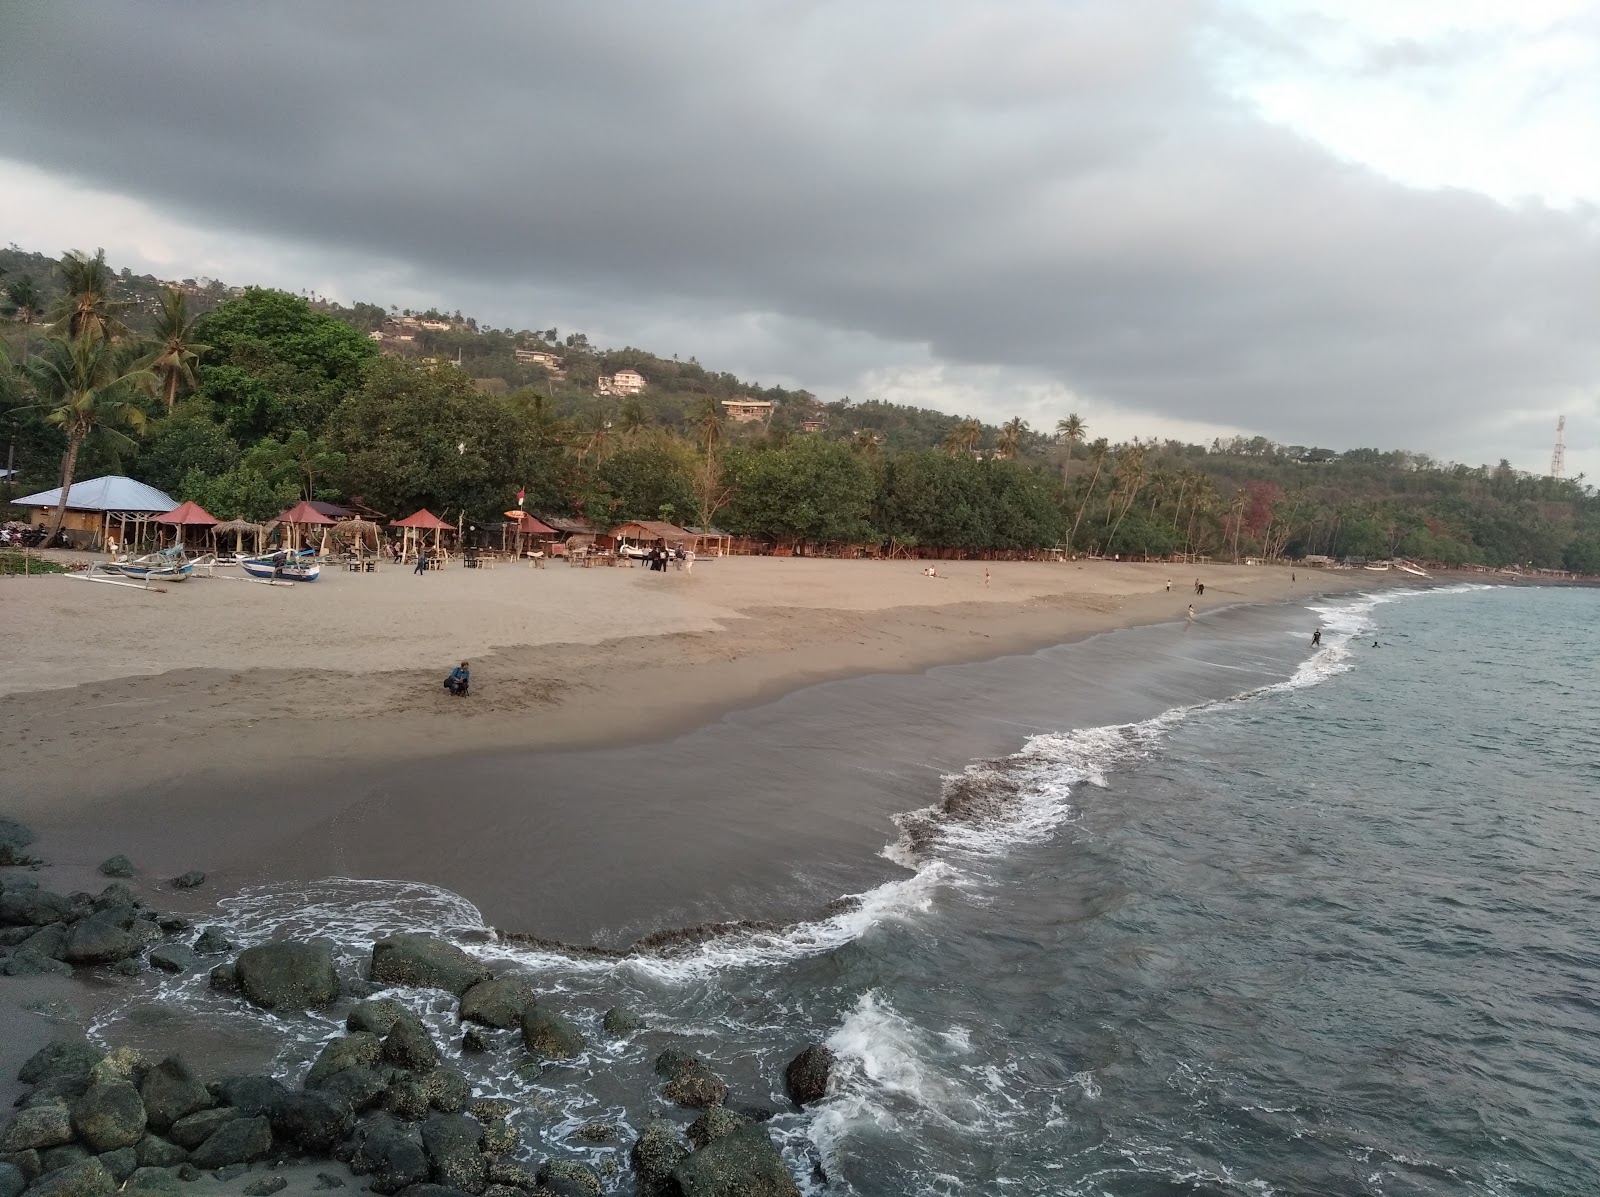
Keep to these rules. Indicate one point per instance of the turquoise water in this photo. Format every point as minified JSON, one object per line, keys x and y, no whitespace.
{"x":1338,"y":935}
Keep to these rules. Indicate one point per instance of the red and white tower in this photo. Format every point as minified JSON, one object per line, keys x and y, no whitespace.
{"x":1558,"y":455}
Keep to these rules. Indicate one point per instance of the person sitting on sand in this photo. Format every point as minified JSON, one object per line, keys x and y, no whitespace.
{"x":460,"y":678}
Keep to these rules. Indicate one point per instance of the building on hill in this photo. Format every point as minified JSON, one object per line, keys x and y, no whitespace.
{"x":626,"y":381}
{"x":745,"y":410}
{"x":435,"y":325}
{"x":815,"y":424}
{"x":538,"y":357}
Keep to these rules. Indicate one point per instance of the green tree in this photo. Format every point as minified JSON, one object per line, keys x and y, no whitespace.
{"x":188,"y":439}
{"x":809,"y":490}
{"x":23,"y":303}
{"x":176,"y":351}
{"x":86,"y":385}
{"x":1009,"y":442}
{"x":85,"y":307}
{"x":299,"y":458}
{"x":1070,"y":430}
{"x":1097,"y":456}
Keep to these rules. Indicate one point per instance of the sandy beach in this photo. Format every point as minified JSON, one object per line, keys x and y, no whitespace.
{"x":122,"y":689}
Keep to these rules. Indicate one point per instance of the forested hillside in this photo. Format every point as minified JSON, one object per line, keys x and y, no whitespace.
{"x":245,"y":400}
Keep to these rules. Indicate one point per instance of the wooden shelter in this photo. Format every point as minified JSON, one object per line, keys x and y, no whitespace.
{"x":97,"y":508}
{"x":710,"y":542}
{"x":238,"y":529}
{"x":525,"y":530}
{"x":299,"y":518}
{"x":357,"y":538}
{"x":184,"y":516}
{"x":415,"y":525}
{"x":653,"y":532}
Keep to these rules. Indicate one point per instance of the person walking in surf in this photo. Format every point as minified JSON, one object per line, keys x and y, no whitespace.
{"x":1316,"y":638}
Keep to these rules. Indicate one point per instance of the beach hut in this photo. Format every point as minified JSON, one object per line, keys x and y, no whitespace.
{"x":710,"y":542}
{"x":525,"y":529}
{"x":359,"y":539}
{"x":99,"y":507}
{"x":416,"y":525}
{"x":645,"y":532}
{"x":238,"y":529}
{"x":181,"y":518}
{"x":298,"y":519}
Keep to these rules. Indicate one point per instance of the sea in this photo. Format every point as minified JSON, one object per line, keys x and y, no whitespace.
{"x":1337,"y":932}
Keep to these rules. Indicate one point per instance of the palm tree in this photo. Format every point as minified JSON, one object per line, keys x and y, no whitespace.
{"x":963,"y":437}
{"x":1070,"y":430}
{"x":1009,"y":442}
{"x":1130,"y":477}
{"x":86,"y":385}
{"x":176,"y":349}
{"x":1097,"y":454}
{"x":708,"y":424}
{"x":597,"y":440}
{"x":23,"y":301}
{"x":633,"y":418}
{"x":87,"y":306}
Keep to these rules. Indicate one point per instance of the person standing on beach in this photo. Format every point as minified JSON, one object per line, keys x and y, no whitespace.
{"x":1169,"y":585}
{"x":422,"y":561}
{"x":1316,"y":638}
{"x":1191,"y":615}
{"x":1197,"y":585}
{"x":986,"y":577}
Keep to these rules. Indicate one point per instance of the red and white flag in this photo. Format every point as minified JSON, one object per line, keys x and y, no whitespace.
{"x":521,"y":494}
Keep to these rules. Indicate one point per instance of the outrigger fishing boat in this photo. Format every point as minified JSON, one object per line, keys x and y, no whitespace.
{"x":293,"y":567}
{"x":164,"y":565}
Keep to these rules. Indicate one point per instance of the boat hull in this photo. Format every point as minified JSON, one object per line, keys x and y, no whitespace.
{"x":291,"y":571}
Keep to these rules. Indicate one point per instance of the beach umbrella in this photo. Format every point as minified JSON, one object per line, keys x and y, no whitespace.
{"x":186,"y":515}
{"x":421,"y":521}
{"x":359,"y":534}
{"x":238,"y":528}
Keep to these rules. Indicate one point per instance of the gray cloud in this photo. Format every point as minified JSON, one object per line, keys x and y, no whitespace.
{"x":1061,"y":190}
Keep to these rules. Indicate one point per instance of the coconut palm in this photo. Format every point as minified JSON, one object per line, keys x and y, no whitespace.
{"x":23,"y":302}
{"x":633,"y":418}
{"x":1130,"y":477}
{"x":963,"y":438}
{"x":86,"y":386}
{"x":1070,"y":430}
{"x":176,"y":350}
{"x":1097,"y":455}
{"x":708,"y":424}
{"x":1009,"y":442}
{"x":86,"y":305}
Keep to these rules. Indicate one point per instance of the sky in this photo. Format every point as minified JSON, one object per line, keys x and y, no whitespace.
{"x":1361,"y":223}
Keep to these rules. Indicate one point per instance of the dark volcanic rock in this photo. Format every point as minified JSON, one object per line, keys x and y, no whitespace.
{"x":390,"y":1153}
{"x":568,"y":1178}
{"x":405,"y":1099}
{"x":88,"y":1178}
{"x":545,"y":1033}
{"x":211,"y":942}
{"x":376,"y":1015}
{"x":155,"y":1152}
{"x":361,"y":1087}
{"x":109,"y":1116}
{"x":14,"y":841}
{"x":236,"y":1142}
{"x":249,"y":1094}
{"x":806,"y":1077}
{"x":33,"y":908}
{"x":194,"y":1129}
{"x":27,"y":963}
{"x":53,"y":1159}
{"x":117,"y":866}
{"x":620,"y":1021}
{"x":12,"y":1182}
{"x":50,"y":942}
{"x":452,"y":1142}
{"x":172,"y":923}
{"x":409,"y":1045}
{"x":225,"y":977}
{"x":432,"y":1191}
{"x":170,"y":1091}
{"x":689,"y":1081}
{"x":474,"y":1040}
{"x":713,"y":1124}
{"x":360,"y":1050}
{"x":500,"y":1137}
{"x":655,"y":1153}
{"x":115,"y":896}
{"x":744,"y":1162}
{"x":425,"y":960}
{"x":265,"y":1187}
{"x":497,"y":1003}
{"x":288,"y":976}
{"x":173,"y":958}
{"x":25,"y":1162}
{"x":444,"y":1089}
{"x":153,"y":1180}
{"x":37,"y":1127}
{"x":102,"y":937}
{"x":312,"y":1120}
{"x":193,"y":879}
{"x":511,"y":1174}
{"x":121,"y":1163}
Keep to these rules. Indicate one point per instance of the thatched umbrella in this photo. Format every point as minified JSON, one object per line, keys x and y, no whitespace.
{"x":238,"y":528}
{"x":357,"y":536}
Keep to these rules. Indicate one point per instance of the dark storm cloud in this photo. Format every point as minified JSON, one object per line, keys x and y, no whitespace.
{"x":1055,"y":188}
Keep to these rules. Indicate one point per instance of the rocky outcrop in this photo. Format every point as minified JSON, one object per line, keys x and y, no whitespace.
{"x":620,"y":1021}
{"x":86,"y":1179}
{"x":116,"y":866}
{"x":312,"y":1120}
{"x":103,"y":938}
{"x":238,"y":1142}
{"x":497,"y":1003}
{"x":390,"y":1153}
{"x":408,"y":1045}
{"x":567,"y":1178}
{"x":173,"y":958}
{"x":109,"y":1116}
{"x":453,"y":1143}
{"x":545,"y":1033}
{"x":376,"y":1016}
{"x":33,"y":908}
{"x":655,"y":1153}
{"x":249,"y":1094}
{"x":743,"y":1162}
{"x":360,"y":1050}
{"x":713,"y":1124}
{"x":63,"y":1059}
{"x":288,"y":977}
{"x":426,"y":961}
{"x":194,"y":1129}
{"x":807,"y":1075}
{"x":170,"y":1091}
{"x":689,"y":1081}
{"x":36,"y":1127}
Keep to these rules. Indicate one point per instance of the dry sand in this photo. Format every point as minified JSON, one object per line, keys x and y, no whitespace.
{"x":119,"y":688}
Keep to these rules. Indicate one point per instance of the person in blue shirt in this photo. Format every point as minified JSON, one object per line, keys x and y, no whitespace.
{"x":459,"y":680}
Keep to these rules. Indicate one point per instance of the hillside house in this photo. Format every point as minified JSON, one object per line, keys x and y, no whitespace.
{"x":745,"y":410}
{"x":538,"y":357}
{"x":626,"y":381}
{"x":815,"y":424}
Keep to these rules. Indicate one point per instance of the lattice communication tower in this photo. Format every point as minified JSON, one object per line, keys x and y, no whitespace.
{"x":1558,"y":455}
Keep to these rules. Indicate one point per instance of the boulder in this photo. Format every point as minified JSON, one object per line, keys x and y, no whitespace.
{"x":121,"y":1163}
{"x":225,"y":977}
{"x":312,"y":1120}
{"x":25,"y":1162}
{"x":88,"y":1178}
{"x":390,"y":1153}
{"x":114,"y":896}
{"x":236,"y":1142}
{"x":193,"y":879}
{"x":116,"y":866}
{"x":123,"y":1064}
{"x":426,"y":1190}
{"x":545,"y":1033}
{"x":12,"y":1182}
{"x":743,"y":1162}
{"x":249,"y":1094}
{"x":444,"y":1089}
{"x":405,"y":1099}
{"x":171,"y":1091}
{"x":568,"y":1178}
{"x":49,"y":942}
{"x":153,"y":1151}
{"x":153,"y":1180}
{"x":266,"y":1186}
{"x":14,"y":841}
{"x":595,"y":1132}
{"x":500,"y":1137}
{"x":33,"y":908}
{"x":497,"y":1003}
{"x":620,"y":1021}
{"x":425,"y":960}
{"x":453,"y":1143}
{"x":376,"y":1015}
{"x":172,"y":923}
{"x":713,"y":1124}
{"x":109,"y":1116}
{"x":26,"y":963}
{"x":474,"y":1040}
{"x":37,"y":1127}
{"x":361,"y":1087}
{"x":102,"y":938}
{"x":361,"y":1050}
{"x":408,"y":1045}
{"x":512,"y":1175}
{"x":655,"y":1153}
{"x":689,"y":1081}
{"x":806,"y":1077}
{"x":327,"y":1180}
{"x":194,"y":1129}
{"x":53,"y":1159}
{"x":288,"y":977}
{"x":173,"y":958}
{"x":211,"y":942}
